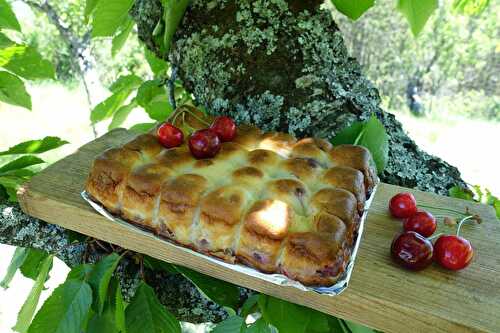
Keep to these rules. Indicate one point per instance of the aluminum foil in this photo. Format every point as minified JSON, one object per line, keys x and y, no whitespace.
{"x":278,"y":279}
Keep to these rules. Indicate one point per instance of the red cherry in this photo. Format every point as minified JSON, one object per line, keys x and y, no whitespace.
{"x":403,"y":205}
{"x":169,"y":135}
{"x":204,"y":143}
{"x":225,"y":128}
{"x":453,"y":252}
{"x":412,"y":251}
{"x":421,"y":222}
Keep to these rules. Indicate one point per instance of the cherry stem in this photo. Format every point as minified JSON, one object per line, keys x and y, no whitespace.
{"x":184,"y":111}
{"x":435,"y":236}
{"x":462,"y":222}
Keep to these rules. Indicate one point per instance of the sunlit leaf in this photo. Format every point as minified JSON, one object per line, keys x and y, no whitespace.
{"x":121,"y":115}
{"x":120,"y":39}
{"x":35,"y":146}
{"x":5,"y":41}
{"x":142,"y":128}
{"x":108,"y":16}
{"x":417,"y":12}
{"x":26,"y":62}
{"x":353,"y":8}
{"x":470,"y":7}
{"x":29,"y":307}
{"x":13,"y":91}
{"x":21,"y":162}
{"x":8,"y":19}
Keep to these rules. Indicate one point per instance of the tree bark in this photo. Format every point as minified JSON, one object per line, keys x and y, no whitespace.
{"x":282,"y":65}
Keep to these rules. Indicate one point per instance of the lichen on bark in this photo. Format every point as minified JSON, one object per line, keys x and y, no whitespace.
{"x":283,"y":65}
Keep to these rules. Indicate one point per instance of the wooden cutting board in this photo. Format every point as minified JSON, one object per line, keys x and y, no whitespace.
{"x":380,"y":295}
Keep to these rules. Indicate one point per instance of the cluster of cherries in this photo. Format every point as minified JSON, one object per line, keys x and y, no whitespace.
{"x":413,"y":248}
{"x":203,"y":143}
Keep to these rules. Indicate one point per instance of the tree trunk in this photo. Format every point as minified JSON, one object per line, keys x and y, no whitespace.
{"x":282,"y":65}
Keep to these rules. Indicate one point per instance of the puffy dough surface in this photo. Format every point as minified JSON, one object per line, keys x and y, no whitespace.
{"x":267,"y":200}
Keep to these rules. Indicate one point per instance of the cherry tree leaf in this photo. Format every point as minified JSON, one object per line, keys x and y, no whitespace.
{"x":65,"y":311}
{"x":145,"y":314}
{"x":353,"y":8}
{"x":417,"y":12}
{"x":8,"y":19}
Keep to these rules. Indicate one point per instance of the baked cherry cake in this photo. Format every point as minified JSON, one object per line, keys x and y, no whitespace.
{"x":266,"y":200}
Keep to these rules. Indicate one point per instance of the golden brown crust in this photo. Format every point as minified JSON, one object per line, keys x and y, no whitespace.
{"x":266,"y":200}
{"x":348,"y":179}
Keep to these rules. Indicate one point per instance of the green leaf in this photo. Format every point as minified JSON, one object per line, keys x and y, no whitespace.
{"x":121,"y":115}
{"x":108,"y":320}
{"x":108,"y":107}
{"x":126,"y":82}
{"x":142,"y":128}
{"x":119,"y":306}
{"x":99,"y":279}
{"x":469,"y":7}
{"x":158,"y":66}
{"x":173,"y":11}
{"x":159,"y":265}
{"x":353,"y":8}
{"x":370,"y":134}
{"x":460,"y":193}
{"x":121,"y":89}
{"x":318,"y":322}
{"x":5,"y":41}
{"x":349,"y":134}
{"x":11,"y":185}
{"x":285,"y":316}
{"x":89,"y":9}
{"x":17,"y":260}
{"x":29,"y":307}
{"x":159,"y":110}
{"x":13,"y":91}
{"x":259,"y":326}
{"x":35,"y":146}
{"x":233,"y":324}
{"x":145,"y":314}
{"x":221,"y":292}
{"x":80,"y":272}
{"x":26,"y":62}
{"x":120,"y":39}
{"x":150,"y":91}
{"x":21,"y":162}
{"x":32,"y":265}
{"x":65,"y":311}
{"x":357,"y":328}
{"x":249,"y":306}
{"x":152,"y":96}
{"x":8,"y":19}
{"x":496,"y":205}
{"x":108,"y":16}
{"x":375,"y":138}
{"x":417,"y":12}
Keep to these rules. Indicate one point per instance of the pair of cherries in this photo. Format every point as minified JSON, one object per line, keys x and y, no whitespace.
{"x":204,"y":143}
{"x":414,"y":250}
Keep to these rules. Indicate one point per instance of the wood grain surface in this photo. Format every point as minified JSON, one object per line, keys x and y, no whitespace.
{"x":380,"y":295}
